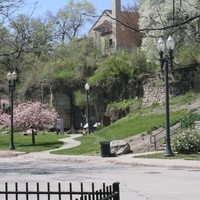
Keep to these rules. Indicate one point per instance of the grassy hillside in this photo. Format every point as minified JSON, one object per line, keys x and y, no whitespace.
{"x":141,"y":121}
{"x":124,"y":128}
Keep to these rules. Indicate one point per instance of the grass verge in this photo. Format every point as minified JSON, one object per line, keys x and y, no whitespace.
{"x":22,"y":142}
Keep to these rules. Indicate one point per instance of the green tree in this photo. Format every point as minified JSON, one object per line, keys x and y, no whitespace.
{"x":123,"y":66}
{"x":116,"y":74}
{"x":72,"y":62}
{"x":22,"y":42}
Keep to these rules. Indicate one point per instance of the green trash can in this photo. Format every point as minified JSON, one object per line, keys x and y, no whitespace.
{"x":105,"y":149}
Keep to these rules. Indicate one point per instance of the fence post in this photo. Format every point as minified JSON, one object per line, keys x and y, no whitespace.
{"x":116,"y":189}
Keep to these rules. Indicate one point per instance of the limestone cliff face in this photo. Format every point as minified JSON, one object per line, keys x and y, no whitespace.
{"x":150,"y":89}
{"x":60,"y":100}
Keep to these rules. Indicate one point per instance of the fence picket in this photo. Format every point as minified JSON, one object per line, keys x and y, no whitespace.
{"x":97,"y":195}
{"x":48,"y":190}
{"x":6,"y":189}
{"x":27,"y":191}
{"x":59,"y":190}
{"x":82,"y":190}
{"x":100,"y":194}
{"x":93,"y":193}
{"x":70,"y":186}
{"x":104,"y":190}
{"x":16,"y":189}
{"x":38,"y":191}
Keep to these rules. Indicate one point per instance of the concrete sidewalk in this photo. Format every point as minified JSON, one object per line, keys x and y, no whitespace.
{"x":127,"y":159}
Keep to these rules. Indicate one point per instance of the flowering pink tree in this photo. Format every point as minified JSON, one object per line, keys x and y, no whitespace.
{"x":4,"y":120}
{"x":30,"y":115}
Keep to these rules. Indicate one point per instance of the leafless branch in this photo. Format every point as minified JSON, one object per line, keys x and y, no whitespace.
{"x":158,"y":28}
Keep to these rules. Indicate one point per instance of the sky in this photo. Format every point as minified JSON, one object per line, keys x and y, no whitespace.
{"x":55,"y":5}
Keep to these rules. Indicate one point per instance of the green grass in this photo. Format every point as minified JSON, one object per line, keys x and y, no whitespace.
{"x":129,"y":126}
{"x":187,"y":98}
{"x":124,"y":104}
{"x":140,"y":121}
{"x":22,"y":142}
{"x":176,"y":156}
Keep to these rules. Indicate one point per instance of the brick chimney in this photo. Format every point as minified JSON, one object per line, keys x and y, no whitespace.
{"x":116,"y":8}
{"x":116,"y":13}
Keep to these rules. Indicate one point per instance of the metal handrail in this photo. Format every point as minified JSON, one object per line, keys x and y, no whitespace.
{"x":153,"y":139}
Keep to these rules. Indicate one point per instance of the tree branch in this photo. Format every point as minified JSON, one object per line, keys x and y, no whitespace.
{"x":155,"y":29}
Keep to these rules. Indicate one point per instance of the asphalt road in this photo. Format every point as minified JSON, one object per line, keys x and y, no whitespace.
{"x":136,"y":182}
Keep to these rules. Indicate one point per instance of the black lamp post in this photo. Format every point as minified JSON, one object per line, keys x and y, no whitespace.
{"x":165,"y":62}
{"x":87,"y":87}
{"x":11,"y":84}
{"x":42,"y":91}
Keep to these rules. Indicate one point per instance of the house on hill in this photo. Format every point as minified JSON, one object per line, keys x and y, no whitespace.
{"x":111,"y":31}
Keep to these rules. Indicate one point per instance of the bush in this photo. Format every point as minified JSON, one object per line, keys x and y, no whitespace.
{"x":187,"y":142}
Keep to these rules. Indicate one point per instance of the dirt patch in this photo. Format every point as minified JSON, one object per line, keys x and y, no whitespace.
{"x":9,"y":154}
{"x":140,"y":143}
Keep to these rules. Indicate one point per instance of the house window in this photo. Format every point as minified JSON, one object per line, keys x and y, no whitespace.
{"x":105,"y":30}
{"x":110,"y":42}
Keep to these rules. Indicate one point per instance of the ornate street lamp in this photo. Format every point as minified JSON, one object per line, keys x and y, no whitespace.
{"x":87,"y":87}
{"x":11,"y":85}
{"x":165,"y":62}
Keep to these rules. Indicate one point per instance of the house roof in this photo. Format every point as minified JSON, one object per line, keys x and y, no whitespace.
{"x":128,"y":18}
{"x":105,"y":24}
{"x":105,"y":11}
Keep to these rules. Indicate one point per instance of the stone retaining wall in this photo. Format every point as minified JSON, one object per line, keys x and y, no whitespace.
{"x":180,"y":81}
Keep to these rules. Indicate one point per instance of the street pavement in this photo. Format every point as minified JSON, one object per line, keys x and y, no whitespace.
{"x":127,"y":159}
{"x":139,"y":178}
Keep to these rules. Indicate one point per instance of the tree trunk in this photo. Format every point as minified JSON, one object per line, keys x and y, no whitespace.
{"x":33,"y":136}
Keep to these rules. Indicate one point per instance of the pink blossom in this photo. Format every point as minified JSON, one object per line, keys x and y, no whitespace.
{"x":30,"y":114}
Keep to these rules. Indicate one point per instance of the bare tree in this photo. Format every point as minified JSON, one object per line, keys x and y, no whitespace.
{"x":8,"y":8}
{"x":69,"y":20}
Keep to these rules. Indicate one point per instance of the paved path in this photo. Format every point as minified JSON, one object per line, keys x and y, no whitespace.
{"x":127,"y":159}
{"x":69,"y":142}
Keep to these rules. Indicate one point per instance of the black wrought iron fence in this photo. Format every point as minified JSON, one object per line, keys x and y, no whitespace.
{"x":14,"y":192}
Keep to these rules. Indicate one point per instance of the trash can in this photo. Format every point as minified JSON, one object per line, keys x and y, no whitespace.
{"x":105,"y":149}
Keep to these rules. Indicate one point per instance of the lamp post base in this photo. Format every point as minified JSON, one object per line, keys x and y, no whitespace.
{"x":168,"y":153}
{"x":11,"y":148}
